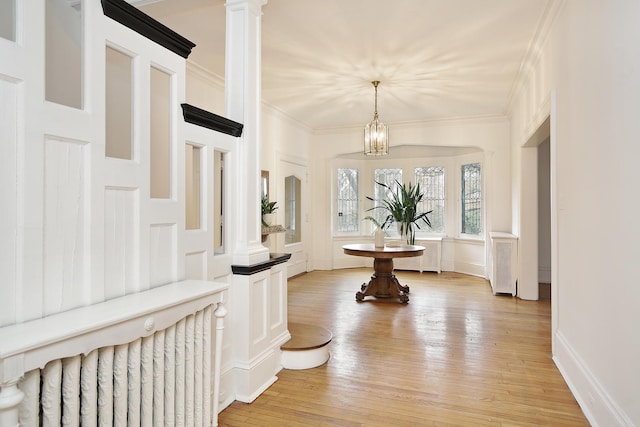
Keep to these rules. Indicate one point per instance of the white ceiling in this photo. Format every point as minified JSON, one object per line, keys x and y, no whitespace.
{"x":435,"y":59}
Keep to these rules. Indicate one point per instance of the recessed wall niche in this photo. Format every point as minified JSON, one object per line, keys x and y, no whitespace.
{"x":8,"y":20}
{"x":160,"y":134}
{"x":63,"y":53}
{"x":119,"y":104}
{"x":192,"y":186}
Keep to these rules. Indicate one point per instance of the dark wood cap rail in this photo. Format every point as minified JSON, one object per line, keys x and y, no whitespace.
{"x":141,"y":23}
{"x":209,"y":120}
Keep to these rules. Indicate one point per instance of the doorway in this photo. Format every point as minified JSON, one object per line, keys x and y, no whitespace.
{"x":534,"y":251}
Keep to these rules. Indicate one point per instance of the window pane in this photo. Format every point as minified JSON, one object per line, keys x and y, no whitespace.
{"x":389,"y":177}
{"x":160,"y":134}
{"x":192,"y":186}
{"x":431,"y":181}
{"x":471,"y":199}
{"x":118,"y":109}
{"x":292,"y":210}
{"x":8,"y":19}
{"x":347,"y":204}
{"x":63,"y":61}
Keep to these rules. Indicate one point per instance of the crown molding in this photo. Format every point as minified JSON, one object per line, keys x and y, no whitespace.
{"x":532,"y":57}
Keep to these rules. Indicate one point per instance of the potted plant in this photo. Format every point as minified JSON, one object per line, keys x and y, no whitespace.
{"x":401,"y":206}
{"x":268,"y":210}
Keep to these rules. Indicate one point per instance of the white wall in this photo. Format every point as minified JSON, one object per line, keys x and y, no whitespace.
{"x":204,"y":89}
{"x":589,"y":59}
{"x":283,"y":139}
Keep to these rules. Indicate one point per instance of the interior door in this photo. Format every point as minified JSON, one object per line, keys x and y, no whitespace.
{"x":293,"y":200}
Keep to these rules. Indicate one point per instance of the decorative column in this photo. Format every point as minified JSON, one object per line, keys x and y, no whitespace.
{"x":243,"y":104}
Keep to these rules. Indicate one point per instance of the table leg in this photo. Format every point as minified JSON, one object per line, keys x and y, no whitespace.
{"x":383,"y":283}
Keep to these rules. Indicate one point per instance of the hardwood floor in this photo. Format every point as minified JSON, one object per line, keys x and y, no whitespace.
{"x":455,"y":355}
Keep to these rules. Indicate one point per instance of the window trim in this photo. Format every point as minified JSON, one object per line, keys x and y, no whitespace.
{"x":465,"y":160}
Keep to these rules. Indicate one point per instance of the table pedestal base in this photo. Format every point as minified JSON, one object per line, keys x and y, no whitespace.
{"x":383,"y":283}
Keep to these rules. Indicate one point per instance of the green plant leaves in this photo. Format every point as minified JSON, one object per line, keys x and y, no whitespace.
{"x":402,"y":207}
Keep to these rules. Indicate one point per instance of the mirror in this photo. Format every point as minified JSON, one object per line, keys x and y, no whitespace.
{"x":264,"y":184}
{"x":292,"y":210}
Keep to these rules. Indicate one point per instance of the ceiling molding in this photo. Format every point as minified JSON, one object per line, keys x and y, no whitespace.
{"x":287,"y":117}
{"x":205,"y":74}
{"x":532,"y":57}
{"x":488,"y":118}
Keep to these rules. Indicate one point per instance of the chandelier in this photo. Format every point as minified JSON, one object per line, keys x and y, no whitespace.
{"x":376,"y":133}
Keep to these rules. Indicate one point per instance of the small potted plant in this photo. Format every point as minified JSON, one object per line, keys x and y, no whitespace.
{"x":268,"y":211}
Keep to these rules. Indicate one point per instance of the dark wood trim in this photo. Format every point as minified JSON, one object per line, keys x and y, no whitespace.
{"x":248,"y":270}
{"x":140,"y":22}
{"x":204,"y":118}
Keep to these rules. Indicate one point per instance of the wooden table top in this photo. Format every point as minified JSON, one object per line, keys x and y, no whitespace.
{"x":392,"y":251}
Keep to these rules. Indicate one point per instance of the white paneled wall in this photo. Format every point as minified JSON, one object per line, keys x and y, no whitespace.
{"x":79,"y":227}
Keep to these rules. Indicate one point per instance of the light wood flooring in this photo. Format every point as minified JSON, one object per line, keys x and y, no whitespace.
{"x":455,"y":355}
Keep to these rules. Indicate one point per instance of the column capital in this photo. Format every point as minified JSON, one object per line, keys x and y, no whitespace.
{"x":231,"y":4}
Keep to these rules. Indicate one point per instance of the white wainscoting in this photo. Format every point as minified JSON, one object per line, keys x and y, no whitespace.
{"x":465,"y":256}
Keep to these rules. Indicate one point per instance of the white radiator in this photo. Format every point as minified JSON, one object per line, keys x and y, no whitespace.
{"x":144,"y":359}
{"x":431,"y":260}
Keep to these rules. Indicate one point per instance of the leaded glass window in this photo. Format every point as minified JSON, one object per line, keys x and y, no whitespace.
{"x":471,"y":198}
{"x":388,"y":177}
{"x":431,"y":181}
{"x":347,"y":200}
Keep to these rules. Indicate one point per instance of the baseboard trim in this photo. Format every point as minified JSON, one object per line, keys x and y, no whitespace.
{"x":248,"y":398}
{"x":470,"y":269}
{"x":596,"y":404}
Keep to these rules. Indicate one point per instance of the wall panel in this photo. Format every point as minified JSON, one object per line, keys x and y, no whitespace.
{"x":162,"y":254}
{"x":259,"y":309}
{"x":196,"y":265}
{"x":121,"y":242}
{"x":8,"y":198}
{"x":65,"y":224}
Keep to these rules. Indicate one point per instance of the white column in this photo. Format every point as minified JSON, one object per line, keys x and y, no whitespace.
{"x":243,"y":104}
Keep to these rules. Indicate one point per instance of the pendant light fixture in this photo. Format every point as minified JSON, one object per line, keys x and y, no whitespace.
{"x":376,"y":133}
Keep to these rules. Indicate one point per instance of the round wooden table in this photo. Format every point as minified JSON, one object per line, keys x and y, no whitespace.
{"x":383,"y":283}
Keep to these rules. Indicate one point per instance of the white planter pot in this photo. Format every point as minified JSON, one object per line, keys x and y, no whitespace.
{"x":379,"y":239}
{"x":404,"y":235}
{"x":268,"y":218}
